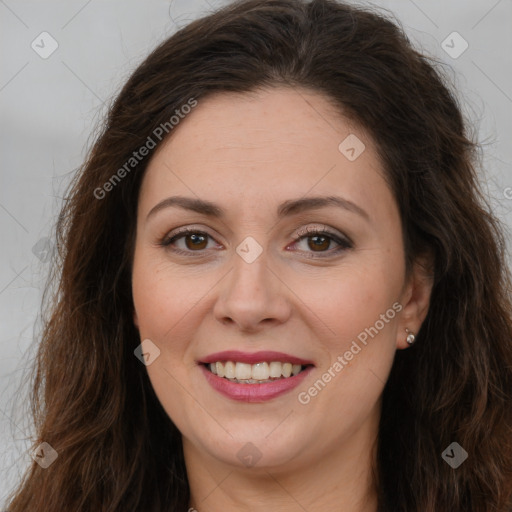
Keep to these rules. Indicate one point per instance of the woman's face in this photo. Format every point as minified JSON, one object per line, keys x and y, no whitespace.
{"x":256,"y":293}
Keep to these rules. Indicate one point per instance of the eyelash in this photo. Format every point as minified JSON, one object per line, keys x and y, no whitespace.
{"x":343,"y":243}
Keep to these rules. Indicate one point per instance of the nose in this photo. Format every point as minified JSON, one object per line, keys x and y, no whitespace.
{"x":252,"y":297}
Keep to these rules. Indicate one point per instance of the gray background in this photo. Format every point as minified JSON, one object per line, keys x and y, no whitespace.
{"x":50,"y":108}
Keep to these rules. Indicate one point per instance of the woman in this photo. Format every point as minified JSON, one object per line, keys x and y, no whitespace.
{"x":280,"y":288}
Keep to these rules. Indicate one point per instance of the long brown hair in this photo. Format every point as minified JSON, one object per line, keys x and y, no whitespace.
{"x":92,"y":399}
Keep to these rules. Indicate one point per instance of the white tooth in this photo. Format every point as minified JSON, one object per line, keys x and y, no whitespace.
{"x":243,"y":371}
{"x":287,"y":369}
{"x":229,"y":370}
{"x":260,"y":371}
{"x":275,"y":369}
{"x":220,"y":369}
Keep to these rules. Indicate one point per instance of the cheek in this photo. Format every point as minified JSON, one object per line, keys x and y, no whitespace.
{"x":169,"y":304}
{"x":361,"y":341}
{"x":160,"y":301}
{"x":154,"y":304}
{"x":163,"y":311}
{"x":360,"y":311}
{"x":353,"y":298}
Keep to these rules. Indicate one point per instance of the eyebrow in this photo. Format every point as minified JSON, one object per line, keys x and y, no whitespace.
{"x":287,"y":208}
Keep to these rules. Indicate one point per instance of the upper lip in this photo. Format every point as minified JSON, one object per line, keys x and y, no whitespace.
{"x":254,"y":357}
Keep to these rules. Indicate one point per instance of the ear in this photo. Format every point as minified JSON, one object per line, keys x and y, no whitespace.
{"x":415,"y":299}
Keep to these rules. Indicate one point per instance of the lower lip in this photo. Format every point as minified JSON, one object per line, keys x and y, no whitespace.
{"x":254,"y":392}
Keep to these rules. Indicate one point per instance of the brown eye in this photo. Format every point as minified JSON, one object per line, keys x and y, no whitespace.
{"x":187,"y":241}
{"x":196,"y":241}
{"x":319,"y":242}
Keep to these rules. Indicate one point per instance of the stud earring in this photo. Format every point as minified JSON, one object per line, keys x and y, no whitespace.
{"x":410,"y":337}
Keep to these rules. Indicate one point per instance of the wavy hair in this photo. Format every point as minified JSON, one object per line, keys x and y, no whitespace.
{"x":92,"y":400}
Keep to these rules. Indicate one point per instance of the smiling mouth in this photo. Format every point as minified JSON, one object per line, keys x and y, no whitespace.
{"x":259,"y":373}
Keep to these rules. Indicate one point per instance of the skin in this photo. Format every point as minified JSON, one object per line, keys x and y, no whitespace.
{"x":248,"y":153}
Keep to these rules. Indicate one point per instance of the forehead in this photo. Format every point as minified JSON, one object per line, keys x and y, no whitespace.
{"x":277,"y":143}
{"x":284,"y":122}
